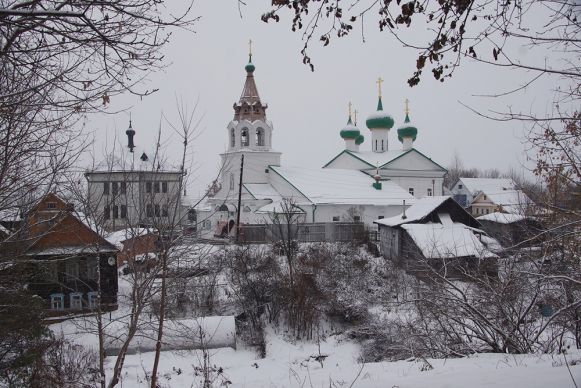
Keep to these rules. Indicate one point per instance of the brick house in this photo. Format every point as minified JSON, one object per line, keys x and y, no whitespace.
{"x":64,"y":258}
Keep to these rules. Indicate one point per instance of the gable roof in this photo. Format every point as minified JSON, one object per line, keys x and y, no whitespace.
{"x":487,"y":184}
{"x":262,"y":191}
{"x":512,"y":201}
{"x":438,"y":241}
{"x":380,"y":159}
{"x":424,"y":208}
{"x":342,"y":186}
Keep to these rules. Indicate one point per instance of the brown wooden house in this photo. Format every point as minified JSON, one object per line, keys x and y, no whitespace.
{"x":65,"y":260}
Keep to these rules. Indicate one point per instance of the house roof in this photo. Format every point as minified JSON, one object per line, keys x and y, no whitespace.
{"x":419,"y":210}
{"x":437,"y":241}
{"x":263,"y":191}
{"x":380,"y":159}
{"x":501,"y":218}
{"x":339,"y":186}
{"x":116,"y":238}
{"x":487,"y":184}
{"x":512,"y":201}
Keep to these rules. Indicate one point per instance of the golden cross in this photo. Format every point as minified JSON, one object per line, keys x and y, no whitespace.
{"x":349,"y":110}
{"x":250,"y":47}
{"x":379,"y":82}
{"x":355,"y":114}
{"x":407,"y":106}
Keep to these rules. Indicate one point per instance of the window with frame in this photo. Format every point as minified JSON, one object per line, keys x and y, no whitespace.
{"x":93,"y":299}
{"x":356,"y":218}
{"x":105,"y":188}
{"x":260,"y":137}
{"x":106,"y":213}
{"x":149,"y":210}
{"x":430,"y":192}
{"x":92,"y":269}
{"x":115,"y":212}
{"x":380,"y":217}
{"x":335,"y":218}
{"x":164,"y":211}
{"x":123,"y":188}
{"x":57,"y":302}
{"x":76,"y":300}
{"x":115,"y":188}
{"x":51,"y":205}
{"x":156,"y":187}
{"x":148,"y":187}
{"x":123,"y":211}
{"x":72,"y":270}
{"x":157,"y":212}
{"x":411,"y":190}
{"x":382,"y":144}
{"x":232,"y":138}
{"x":460,"y":187}
{"x":244,"y":138}
{"x":164,"y":187}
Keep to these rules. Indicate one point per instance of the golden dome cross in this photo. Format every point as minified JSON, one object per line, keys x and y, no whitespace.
{"x":250,"y":47}
{"x":407,"y":106}
{"x":379,"y":82}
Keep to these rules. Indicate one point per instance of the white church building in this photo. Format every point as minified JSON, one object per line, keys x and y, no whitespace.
{"x":356,"y":185}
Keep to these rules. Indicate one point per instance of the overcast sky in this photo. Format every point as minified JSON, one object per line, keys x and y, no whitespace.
{"x":308,"y":109}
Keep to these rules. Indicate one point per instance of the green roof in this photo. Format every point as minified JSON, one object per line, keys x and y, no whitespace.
{"x":350,"y":131}
{"x":379,"y":119}
{"x":407,"y":130}
{"x":360,"y":139}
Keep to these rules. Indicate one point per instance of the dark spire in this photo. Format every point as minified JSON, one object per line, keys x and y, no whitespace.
{"x":249,"y":107}
{"x":130,"y":134}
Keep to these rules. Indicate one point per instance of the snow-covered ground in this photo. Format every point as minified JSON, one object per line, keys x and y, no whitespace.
{"x":294,"y":365}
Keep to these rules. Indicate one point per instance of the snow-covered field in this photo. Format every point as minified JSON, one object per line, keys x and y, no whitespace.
{"x":294,"y":365}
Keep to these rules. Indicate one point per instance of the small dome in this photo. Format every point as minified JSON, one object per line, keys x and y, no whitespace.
{"x":379,"y":119}
{"x":407,"y":130}
{"x":249,"y":67}
{"x":360,"y":139}
{"x":350,"y":131}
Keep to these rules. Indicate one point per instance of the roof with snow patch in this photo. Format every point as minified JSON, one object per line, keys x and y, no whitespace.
{"x":488,"y":184}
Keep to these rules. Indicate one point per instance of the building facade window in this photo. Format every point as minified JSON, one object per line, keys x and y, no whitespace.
{"x":460,"y":187}
{"x":157,"y":212}
{"x":382,"y":144}
{"x":123,"y":211}
{"x":260,"y":137}
{"x":430,"y":193}
{"x":57,"y":302}
{"x":92,"y":270}
{"x":105,"y":188}
{"x":335,"y":218}
{"x":356,"y":218}
{"x":411,"y":190}
{"x":244,"y":138}
{"x":115,"y":188}
{"x":164,"y":211}
{"x":51,"y":205}
{"x":148,"y":187}
{"x":115,"y":212}
{"x":156,"y":187}
{"x":123,"y":188}
{"x":106,"y":213}
{"x":72,"y":270}
{"x":93,"y":299}
{"x":164,"y":187}
{"x":231,"y":181}
{"x":76,"y":300}
{"x":232,"y":138}
{"x":149,"y":210}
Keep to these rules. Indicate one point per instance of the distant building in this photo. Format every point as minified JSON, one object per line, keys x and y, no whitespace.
{"x":136,"y":245}
{"x":505,"y":201}
{"x":466,"y":189}
{"x":125,"y":193}
{"x":437,"y":232}
{"x":64,"y":259}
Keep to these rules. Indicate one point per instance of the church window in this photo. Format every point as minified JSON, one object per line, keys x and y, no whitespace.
{"x":376,"y":144}
{"x":430,"y":192}
{"x":231,"y":181}
{"x":382,"y":145}
{"x":411,"y":190}
{"x":232,"y":138}
{"x":244,"y":138}
{"x":260,"y":137}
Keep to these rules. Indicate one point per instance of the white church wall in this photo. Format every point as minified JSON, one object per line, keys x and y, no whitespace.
{"x":414,"y":161}
{"x":420,"y":186}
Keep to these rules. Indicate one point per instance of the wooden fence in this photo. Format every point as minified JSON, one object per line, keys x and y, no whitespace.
{"x":313,"y":232}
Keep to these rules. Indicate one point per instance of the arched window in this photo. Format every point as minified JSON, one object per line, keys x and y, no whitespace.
{"x":382,"y":144}
{"x":231,"y":181}
{"x":375,"y":144}
{"x":260,"y":137}
{"x":232,"y":138}
{"x":244,"y":138}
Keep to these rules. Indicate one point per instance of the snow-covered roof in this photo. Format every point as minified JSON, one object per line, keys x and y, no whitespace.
{"x":437,"y":241}
{"x":87,"y":221}
{"x":423,"y":207}
{"x":378,"y":158}
{"x":487,"y":184}
{"x":117,"y":238}
{"x":280,"y":207}
{"x":68,"y":251}
{"x":512,"y":201}
{"x":263,"y":191}
{"x":502,"y":218}
{"x":339,"y":186}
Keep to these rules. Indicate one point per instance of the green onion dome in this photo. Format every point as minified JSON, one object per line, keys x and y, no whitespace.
{"x":350,"y":131}
{"x":360,"y":139}
{"x":407,"y":130}
{"x":379,"y":119}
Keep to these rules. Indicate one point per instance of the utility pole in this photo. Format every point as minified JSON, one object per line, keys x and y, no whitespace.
{"x":239,"y":198}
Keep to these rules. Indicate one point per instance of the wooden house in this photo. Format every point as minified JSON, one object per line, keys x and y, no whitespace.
{"x":63,"y":259}
{"x":438,"y":232}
